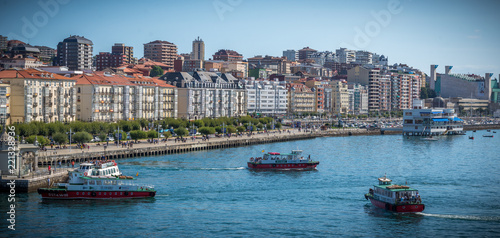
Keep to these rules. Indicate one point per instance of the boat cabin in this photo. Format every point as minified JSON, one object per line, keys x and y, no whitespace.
{"x":295,"y":155}
{"x":395,"y":194}
{"x":106,"y":169}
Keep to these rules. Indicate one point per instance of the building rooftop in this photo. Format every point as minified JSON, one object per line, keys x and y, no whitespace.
{"x":30,"y":74}
{"x":79,"y":39}
{"x":102,"y":78}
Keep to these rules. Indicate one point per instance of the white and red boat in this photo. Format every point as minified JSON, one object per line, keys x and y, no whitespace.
{"x":100,"y":180}
{"x":275,"y":160}
{"x":393,"y":197}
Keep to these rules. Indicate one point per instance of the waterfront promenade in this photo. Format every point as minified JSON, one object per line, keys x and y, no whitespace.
{"x":52,"y":156}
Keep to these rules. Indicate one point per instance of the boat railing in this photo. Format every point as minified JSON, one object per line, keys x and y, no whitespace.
{"x":411,"y":201}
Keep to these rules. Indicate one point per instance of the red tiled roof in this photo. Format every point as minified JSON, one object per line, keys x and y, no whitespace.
{"x":30,"y":74}
{"x":100,"y":78}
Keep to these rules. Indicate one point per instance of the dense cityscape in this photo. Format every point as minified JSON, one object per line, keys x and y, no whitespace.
{"x":70,"y":83}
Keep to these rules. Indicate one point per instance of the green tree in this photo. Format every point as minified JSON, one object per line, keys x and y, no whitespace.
{"x":167,"y":134}
{"x":81,"y":137}
{"x":206,"y":130}
{"x":156,"y":71}
{"x":144,"y":123}
{"x":241,"y":128}
{"x":60,"y":138}
{"x":152,"y":134}
{"x":124,"y":135}
{"x":218,"y":129}
{"x":42,"y":141}
{"x":136,"y":126}
{"x":138,"y":134}
{"x":230,"y":129}
{"x":102,"y":136}
{"x":125,"y":126}
{"x":181,"y":131}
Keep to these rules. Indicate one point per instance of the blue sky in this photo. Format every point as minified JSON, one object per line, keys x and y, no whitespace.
{"x":419,"y":33}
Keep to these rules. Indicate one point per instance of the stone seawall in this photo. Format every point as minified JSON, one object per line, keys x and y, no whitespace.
{"x":32,"y":183}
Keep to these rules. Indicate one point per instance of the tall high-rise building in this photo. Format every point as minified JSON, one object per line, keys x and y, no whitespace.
{"x":161,"y":51}
{"x":3,"y":42}
{"x":306,"y":53}
{"x":291,"y":55}
{"x":198,"y":52}
{"x":121,"y":49}
{"x":75,"y":52}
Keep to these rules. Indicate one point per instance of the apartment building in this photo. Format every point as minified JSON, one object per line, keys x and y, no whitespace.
{"x":266,"y":97}
{"x":227,"y":55}
{"x":277,"y":65}
{"x":75,"y":52}
{"x":301,"y":99}
{"x":208,"y":94}
{"x":108,"y":97}
{"x":358,"y":99}
{"x":37,"y":95}
{"x":161,"y":51}
{"x":121,"y":49}
{"x":340,"y":97}
{"x":4,"y":103}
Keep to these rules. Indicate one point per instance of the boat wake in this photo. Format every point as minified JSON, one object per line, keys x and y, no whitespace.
{"x":179,"y":169}
{"x":462,"y":217}
{"x":237,"y":168}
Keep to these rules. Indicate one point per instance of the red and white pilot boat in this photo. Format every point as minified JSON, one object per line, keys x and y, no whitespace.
{"x":100,"y":180}
{"x":279,"y":161}
{"x":396,"y":198}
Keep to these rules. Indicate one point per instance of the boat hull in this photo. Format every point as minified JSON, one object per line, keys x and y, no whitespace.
{"x":398,"y":207}
{"x":296,"y":166}
{"x":48,"y":193}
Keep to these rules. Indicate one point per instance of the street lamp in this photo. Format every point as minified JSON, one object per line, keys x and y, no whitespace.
{"x":159,"y":126}
{"x":70,"y":133}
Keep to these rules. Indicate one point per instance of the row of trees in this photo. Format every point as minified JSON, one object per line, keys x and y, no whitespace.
{"x":83,"y":132}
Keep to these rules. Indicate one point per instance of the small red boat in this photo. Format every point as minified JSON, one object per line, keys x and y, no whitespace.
{"x":281,"y":161}
{"x":396,"y":198}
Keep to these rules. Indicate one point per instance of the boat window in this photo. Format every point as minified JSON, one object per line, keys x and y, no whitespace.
{"x":91,"y":182}
{"x":98,"y":182}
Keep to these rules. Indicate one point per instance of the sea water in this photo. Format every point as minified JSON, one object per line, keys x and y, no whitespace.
{"x":213,"y":194}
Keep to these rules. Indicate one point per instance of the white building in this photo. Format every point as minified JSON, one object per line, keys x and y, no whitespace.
{"x":431,"y":121}
{"x":208,"y":94}
{"x":364,"y":57}
{"x":358,"y":99}
{"x":346,"y":56}
{"x":266,"y":97}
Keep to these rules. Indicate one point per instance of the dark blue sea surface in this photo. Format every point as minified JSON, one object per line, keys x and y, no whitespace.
{"x":213,"y":194}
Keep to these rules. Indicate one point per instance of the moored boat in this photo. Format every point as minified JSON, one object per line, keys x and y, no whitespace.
{"x":281,"y":161}
{"x":430,"y":138}
{"x":100,"y":180}
{"x":393,"y":197}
